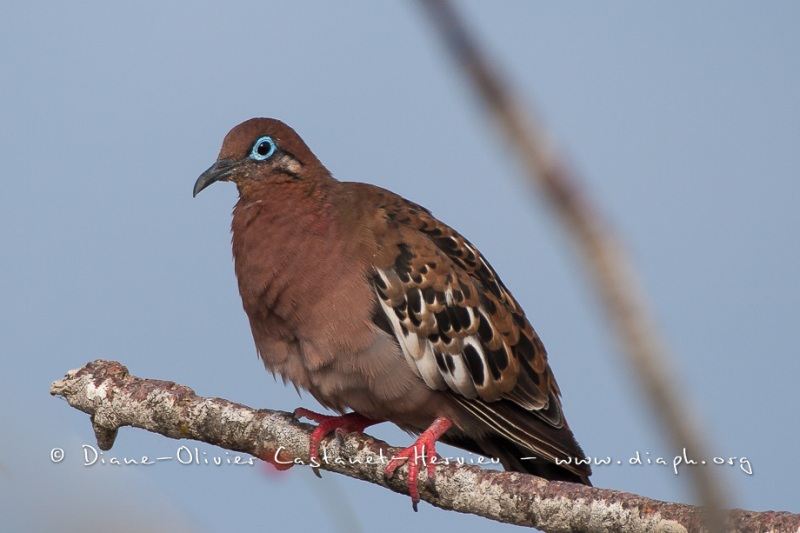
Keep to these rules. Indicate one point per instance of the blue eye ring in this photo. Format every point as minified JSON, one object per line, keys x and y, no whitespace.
{"x":263,"y":148}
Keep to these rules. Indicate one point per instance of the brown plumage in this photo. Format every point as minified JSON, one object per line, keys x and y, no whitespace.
{"x":371,"y":304}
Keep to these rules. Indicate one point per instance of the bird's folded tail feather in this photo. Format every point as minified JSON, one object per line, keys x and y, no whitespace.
{"x":523,"y":442}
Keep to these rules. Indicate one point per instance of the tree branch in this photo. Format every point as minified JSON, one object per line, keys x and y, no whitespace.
{"x":114,"y":398}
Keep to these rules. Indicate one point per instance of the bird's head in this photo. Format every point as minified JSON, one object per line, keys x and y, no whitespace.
{"x":262,"y":150}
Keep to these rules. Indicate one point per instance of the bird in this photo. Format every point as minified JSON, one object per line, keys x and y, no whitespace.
{"x":383,"y":313}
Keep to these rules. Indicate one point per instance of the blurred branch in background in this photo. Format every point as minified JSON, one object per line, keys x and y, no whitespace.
{"x":114,"y":398}
{"x":605,"y":258}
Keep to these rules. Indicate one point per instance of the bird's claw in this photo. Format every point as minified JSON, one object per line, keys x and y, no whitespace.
{"x":340,"y":425}
{"x":432,"y":485}
{"x":388,"y":473}
{"x":423,"y":451}
{"x":340,"y":435}
{"x":302,"y":412}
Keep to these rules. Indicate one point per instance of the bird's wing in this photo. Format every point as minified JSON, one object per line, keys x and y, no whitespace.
{"x":458,"y":326}
{"x":464,"y":334}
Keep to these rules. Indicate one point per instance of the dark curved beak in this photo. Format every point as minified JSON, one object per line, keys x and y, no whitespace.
{"x":219,"y":171}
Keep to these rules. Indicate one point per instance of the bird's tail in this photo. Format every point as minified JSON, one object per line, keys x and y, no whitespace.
{"x":518,"y":459}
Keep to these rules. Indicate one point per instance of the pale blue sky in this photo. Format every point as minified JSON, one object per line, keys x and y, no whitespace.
{"x":683,"y":120}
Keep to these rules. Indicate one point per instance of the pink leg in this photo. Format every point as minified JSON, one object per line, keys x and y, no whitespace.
{"x":424,"y":448}
{"x":342,"y":425}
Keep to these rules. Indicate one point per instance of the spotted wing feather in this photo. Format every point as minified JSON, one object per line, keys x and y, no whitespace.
{"x":457,"y":324}
{"x":463,"y":333}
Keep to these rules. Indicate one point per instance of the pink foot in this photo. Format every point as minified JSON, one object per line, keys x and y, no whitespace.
{"x":342,"y":425}
{"x":424,"y":449}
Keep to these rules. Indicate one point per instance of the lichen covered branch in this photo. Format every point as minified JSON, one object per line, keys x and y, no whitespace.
{"x":114,"y":398}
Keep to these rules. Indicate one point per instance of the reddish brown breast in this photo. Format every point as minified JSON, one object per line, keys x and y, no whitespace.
{"x":302,"y":283}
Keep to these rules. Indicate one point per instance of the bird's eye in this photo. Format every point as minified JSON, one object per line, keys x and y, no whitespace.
{"x":263,"y":148}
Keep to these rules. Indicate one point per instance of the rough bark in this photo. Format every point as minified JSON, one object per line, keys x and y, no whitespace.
{"x":114,"y":398}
